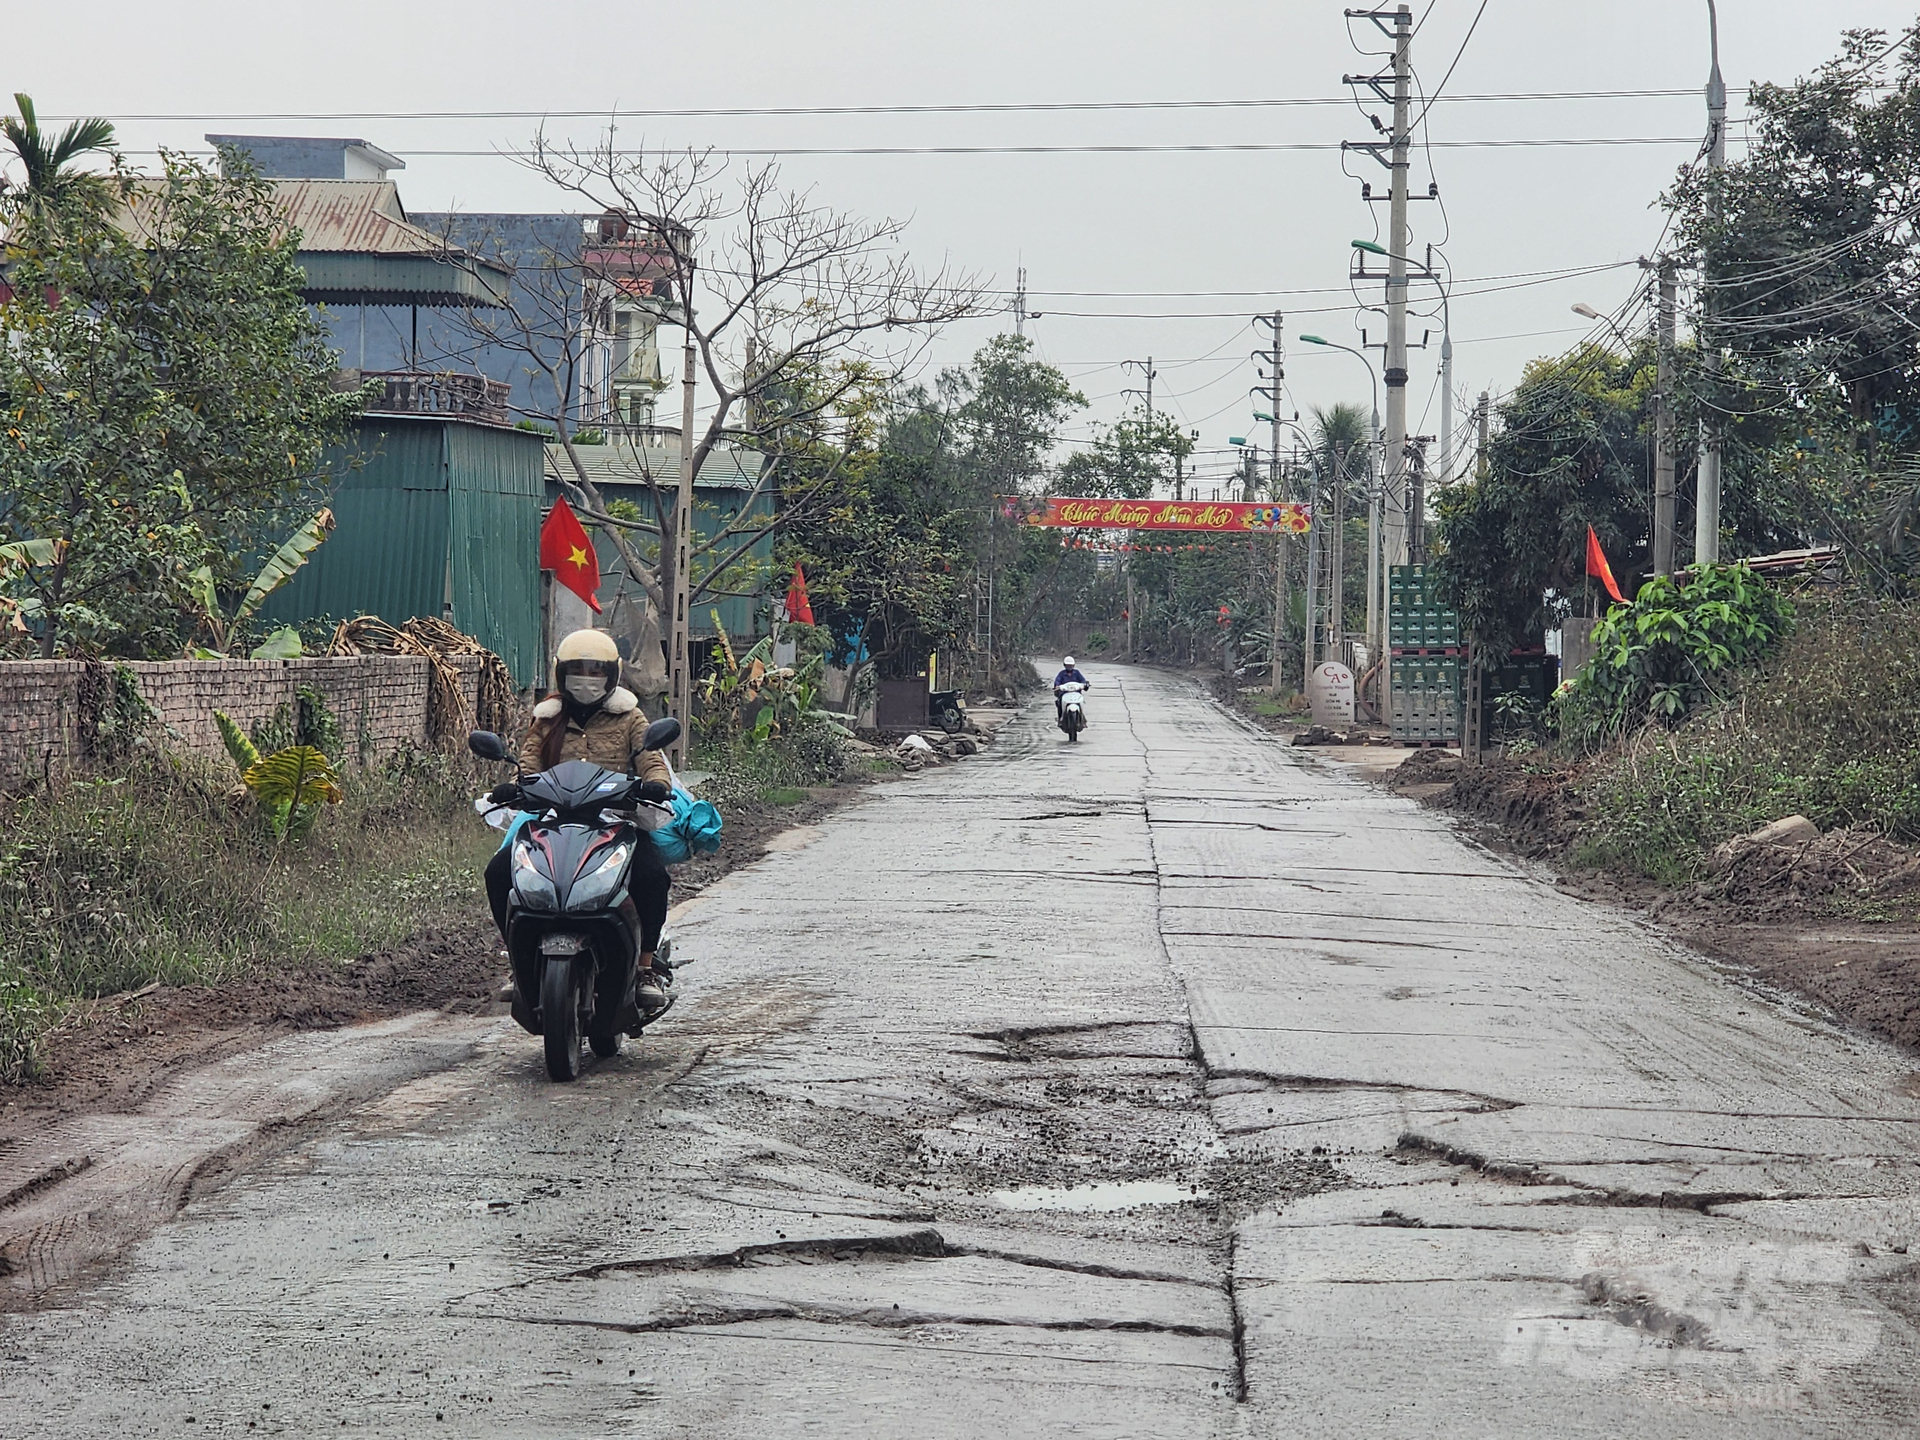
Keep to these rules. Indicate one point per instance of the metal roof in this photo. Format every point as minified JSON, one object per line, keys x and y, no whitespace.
{"x":359,"y":248}
{"x":624,"y":462}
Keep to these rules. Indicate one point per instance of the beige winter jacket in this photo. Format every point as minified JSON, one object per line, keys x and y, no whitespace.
{"x":611,"y":737}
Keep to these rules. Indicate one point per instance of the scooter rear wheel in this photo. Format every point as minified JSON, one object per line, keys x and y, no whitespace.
{"x":560,"y":1019}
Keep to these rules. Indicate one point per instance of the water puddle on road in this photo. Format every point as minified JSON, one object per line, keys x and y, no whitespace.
{"x":1116,"y":1195}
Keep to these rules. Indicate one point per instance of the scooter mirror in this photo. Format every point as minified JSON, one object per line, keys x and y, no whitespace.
{"x":487,"y":745}
{"x":661,"y":733}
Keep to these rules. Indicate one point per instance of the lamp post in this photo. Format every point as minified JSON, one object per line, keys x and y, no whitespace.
{"x":1588,"y":312}
{"x":1374,"y":648}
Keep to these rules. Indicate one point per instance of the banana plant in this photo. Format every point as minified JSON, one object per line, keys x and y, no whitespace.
{"x":16,"y":556}
{"x":281,"y":566}
{"x":289,"y":785}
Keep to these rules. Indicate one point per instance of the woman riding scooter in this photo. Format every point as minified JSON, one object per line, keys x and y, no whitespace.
{"x":591,"y":716}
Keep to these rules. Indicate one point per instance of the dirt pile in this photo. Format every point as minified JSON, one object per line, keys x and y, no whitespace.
{"x":1533,"y":802}
{"x":1843,"y":871}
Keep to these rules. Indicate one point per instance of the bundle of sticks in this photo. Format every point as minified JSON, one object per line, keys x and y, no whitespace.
{"x":495,"y":706}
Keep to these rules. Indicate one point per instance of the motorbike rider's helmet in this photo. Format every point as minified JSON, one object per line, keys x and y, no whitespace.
{"x":587,"y":667}
{"x":1069,"y":662}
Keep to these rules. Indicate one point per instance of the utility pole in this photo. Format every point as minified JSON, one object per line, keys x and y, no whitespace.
{"x":1706,"y":505}
{"x":1663,"y":428}
{"x":1396,"y":373}
{"x":1446,"y":398}
{"x":680,"y":580}
{"x":1272,"y":383}
{"x":1308,"y":656}
{"x":1481,"y":421}
{"x":1146,"y":369}
{"x":1337,"y":557}
{"x":1417,"y":524}
{"x":1020,"y":304}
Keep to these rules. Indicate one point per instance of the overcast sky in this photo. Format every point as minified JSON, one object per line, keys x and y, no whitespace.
{"x":1172,"y":250}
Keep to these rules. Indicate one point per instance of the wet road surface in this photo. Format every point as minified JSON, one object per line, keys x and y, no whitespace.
{"x":1166,"y":1084}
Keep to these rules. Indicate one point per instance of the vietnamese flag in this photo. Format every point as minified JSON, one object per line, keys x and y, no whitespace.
{"x":566,"y":550}
{"x":799,"y":608}
{"x":1598,"y":568}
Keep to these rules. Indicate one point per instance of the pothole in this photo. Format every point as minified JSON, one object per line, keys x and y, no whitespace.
{"x":1089,"y":1199}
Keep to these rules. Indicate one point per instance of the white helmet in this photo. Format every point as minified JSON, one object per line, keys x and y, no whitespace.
{"x":1068,"y":660}
{"x":587,"y":666}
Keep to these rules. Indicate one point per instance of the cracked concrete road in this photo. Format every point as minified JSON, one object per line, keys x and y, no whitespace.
{"x":1167,"y":1084}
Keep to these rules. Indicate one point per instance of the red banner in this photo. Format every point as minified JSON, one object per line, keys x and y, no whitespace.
{"x":1219,"y":517}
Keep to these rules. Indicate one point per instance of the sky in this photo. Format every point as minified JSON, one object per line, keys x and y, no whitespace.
{"x":1128,"y":256}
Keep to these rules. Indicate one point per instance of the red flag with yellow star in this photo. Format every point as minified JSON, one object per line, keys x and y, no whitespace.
{"x":566,"y":550}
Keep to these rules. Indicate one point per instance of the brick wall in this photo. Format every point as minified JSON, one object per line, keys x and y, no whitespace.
{"x":379,"y":700}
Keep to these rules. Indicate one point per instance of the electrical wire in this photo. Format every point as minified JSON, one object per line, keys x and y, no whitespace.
{"x":1428,"y":105}
{"x":1254,"y":147}
{"x":1032,"y":107}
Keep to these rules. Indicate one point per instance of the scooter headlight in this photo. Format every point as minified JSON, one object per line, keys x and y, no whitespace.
{"x":592,"y":889}
{"x":536,"y":891}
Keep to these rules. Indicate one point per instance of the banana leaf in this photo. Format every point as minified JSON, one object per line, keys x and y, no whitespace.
{"x":200,"y":586}
{"x":282,"y":644}
{"x":297,"y":776}
{"x":236,"y":741}
{"x":284,"y":562}
{"x":29,"y":552}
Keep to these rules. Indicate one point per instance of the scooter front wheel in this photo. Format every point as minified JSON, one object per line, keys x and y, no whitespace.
{"x":560,"y":1019}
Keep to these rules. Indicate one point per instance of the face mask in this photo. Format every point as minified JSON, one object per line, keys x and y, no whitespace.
{"x":587,"y":689}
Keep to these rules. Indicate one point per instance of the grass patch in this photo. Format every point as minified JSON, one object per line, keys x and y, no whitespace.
{"x":1828,"y":728}
{"x":163,"y":873}
{"x":743,"y":770}
{"x":1267,"y":708}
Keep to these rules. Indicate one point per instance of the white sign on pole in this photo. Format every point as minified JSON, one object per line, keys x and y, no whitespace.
{"x":1330,"y":694}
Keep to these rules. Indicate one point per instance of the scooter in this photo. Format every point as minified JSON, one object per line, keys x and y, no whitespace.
{"x":573,"y":932}
{"x":1073,"y":713}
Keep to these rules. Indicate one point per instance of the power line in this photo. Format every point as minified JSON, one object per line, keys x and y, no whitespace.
{"x":794,"y":111}
{"x":1431,"y":99}
{"x":1235,"y":148}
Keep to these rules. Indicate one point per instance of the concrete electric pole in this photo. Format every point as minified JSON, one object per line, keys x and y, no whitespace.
{"x":1663,"y":428}
{"x":1273,"y":384}
{"x":1395,"y":538}
{"x":1482,"y":418}
{"x":1706,"y":506}
{"x":1145,"y":367}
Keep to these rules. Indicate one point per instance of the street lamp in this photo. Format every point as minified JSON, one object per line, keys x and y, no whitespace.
{"x":1586,"y":311}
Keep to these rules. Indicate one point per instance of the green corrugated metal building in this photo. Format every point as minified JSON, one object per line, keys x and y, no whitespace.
{"x":433,"y":515}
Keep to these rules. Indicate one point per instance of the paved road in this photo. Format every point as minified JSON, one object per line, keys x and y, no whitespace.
{"x":1171,"y":1084}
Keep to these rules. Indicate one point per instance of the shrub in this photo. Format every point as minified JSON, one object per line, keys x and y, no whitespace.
{"x":1676,"y":646}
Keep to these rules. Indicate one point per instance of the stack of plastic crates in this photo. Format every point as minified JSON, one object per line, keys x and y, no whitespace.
{"x":1426,"y":661}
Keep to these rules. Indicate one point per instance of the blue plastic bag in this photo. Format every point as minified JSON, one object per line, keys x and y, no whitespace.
{"x":694,"y":829}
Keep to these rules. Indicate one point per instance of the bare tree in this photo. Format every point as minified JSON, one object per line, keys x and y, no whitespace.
{"x":798,"y":312}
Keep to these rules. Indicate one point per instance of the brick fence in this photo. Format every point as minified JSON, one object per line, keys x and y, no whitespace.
{"x":379,"y":700}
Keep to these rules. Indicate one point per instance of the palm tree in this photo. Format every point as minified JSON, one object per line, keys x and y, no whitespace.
{"x":1341,"y":434}
{"x":52,"y":183}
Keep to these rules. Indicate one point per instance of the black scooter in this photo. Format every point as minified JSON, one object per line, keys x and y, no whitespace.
{"x":573,"y":933}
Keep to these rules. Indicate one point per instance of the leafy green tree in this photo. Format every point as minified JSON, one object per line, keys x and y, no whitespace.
{"x":1810,"y":247}
{"x":167,"y":399}
{"x":1127,"y":459}
{"x":1572,"y":450}
{"x":887,"y":559}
